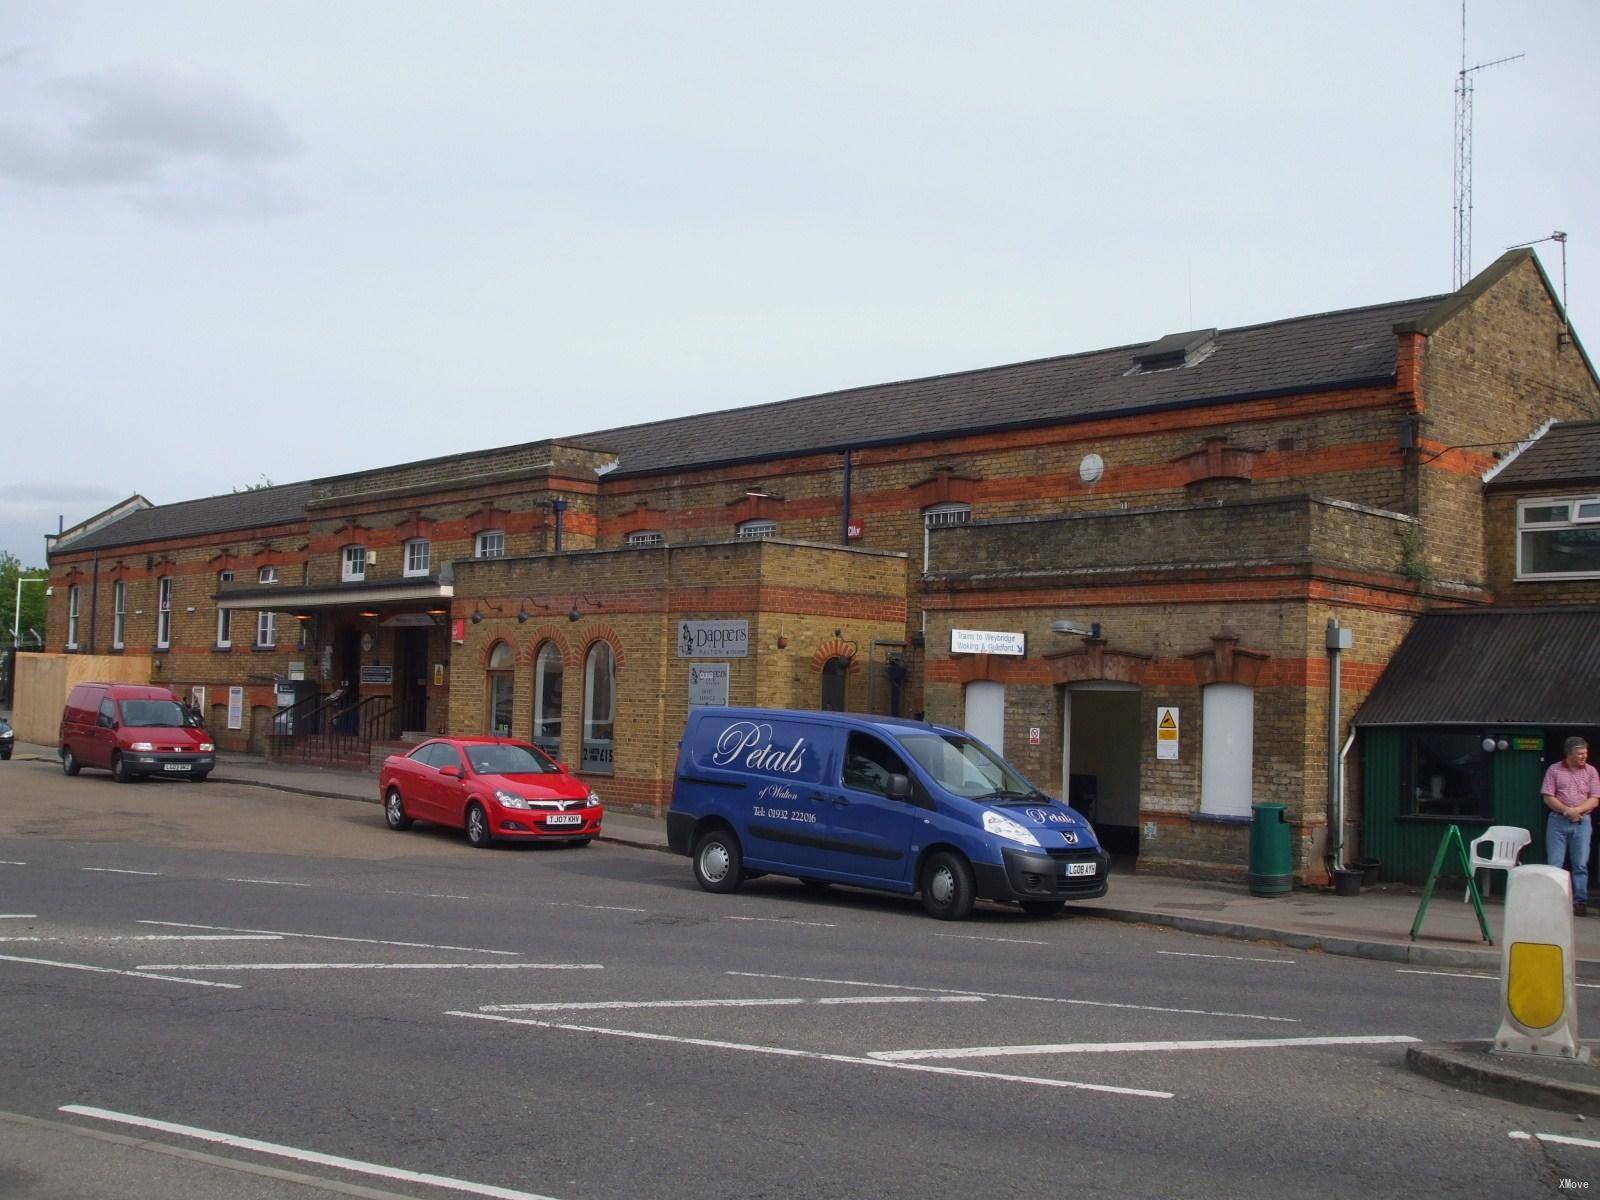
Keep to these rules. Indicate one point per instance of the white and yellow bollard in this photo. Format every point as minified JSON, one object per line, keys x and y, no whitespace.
{"x":1538,"y":988}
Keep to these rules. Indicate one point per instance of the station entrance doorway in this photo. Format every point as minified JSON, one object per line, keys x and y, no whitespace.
{"x":1100,"y":760}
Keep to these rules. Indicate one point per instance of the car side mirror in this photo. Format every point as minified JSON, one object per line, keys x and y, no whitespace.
{"x":563,"y":768}
{"x":450,"y":772}
{"x":899,"y":787}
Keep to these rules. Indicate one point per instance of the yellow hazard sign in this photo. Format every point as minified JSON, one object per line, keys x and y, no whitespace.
{"x":1166,"y":733}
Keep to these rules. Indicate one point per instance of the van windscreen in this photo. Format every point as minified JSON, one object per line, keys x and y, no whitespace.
{"x":960,"y":765}
{"x":146,"y":714}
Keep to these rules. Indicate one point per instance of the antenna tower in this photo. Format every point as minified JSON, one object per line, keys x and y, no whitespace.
{"x":1461,"y":240}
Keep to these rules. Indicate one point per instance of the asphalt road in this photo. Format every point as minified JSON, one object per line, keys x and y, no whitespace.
{"x":212,"y":990}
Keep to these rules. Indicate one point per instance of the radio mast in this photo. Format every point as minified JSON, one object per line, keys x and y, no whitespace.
{"x":1461,"y":240}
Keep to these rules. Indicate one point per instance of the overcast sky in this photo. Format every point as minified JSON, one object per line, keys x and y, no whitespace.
{"x":288,"y":240}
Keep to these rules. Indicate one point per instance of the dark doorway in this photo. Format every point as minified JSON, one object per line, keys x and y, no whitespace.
{"x":411,"y":680}
{"x":348,"y":675}
{"x":834,"y":674}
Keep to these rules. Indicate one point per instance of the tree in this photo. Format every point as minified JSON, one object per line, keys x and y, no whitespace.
{"x":33,"y":601}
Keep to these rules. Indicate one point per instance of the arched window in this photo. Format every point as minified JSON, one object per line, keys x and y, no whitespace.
{"x":1227,"y":749}
{"x":599,"y":708}
{"x":936,"y":516}
{"x":547,"y":672}
{"x":499,"y":690}
{"x":835,"y":674}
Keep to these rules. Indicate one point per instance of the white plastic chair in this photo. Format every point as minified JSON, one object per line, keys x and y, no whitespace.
{"x":1505,"y":844}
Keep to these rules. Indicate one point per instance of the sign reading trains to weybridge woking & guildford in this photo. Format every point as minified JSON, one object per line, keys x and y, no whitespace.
{"x":713,"y":639}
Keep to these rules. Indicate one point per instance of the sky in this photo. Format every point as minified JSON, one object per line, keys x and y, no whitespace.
{"x":269,"y":242}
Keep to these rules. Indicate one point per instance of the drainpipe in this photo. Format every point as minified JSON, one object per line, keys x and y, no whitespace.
{"x":872,"y":668}
{"x":1338,"y":638}
{"x":844,"y":521}
{"x":558,"y":506}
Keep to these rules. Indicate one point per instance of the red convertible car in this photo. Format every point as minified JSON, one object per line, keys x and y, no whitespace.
{"x":492,"y":788}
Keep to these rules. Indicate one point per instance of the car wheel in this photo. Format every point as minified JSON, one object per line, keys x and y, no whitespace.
{"x":394,"y":811}
{"x":947,"y":889}
{"x":119,"y":770}
{"x":1043,"y":908}
{"x":718,"y":862}
{"x":478,"y":826}
{"x":69,"y":761}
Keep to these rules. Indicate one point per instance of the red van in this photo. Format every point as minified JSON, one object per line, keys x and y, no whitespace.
{"x":130,"y":730}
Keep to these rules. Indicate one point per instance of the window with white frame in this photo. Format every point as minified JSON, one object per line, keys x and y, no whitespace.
{"x":72,"y":618}
{"x":164,"y":612}
{"x":491,"y":543}
{"x":1227,"y":749}
{"x":646,"y":537}
{"x":1558,"y":539}
{"x":355,"y":564}
{"x":937,"y":516}
{"x":418,"y":553}
{"x":224,"y":615}
{"x":119,"y":615}
{"x":266,"y":575}
{"x":599,"y":708}
{"x":266,"y":629}
{"x":755,"y":530}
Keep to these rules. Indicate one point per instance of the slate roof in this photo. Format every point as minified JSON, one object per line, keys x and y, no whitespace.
{"x":1567,"y":453}
{"x":284,"y":504}
{"x":1506,"y":666}
{"x":1349,"y":348}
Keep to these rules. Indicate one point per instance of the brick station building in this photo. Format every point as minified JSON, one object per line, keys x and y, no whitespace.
{"x":1117,"y":567}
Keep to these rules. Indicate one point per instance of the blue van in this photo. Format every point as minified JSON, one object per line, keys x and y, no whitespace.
{"x":877,"y":802}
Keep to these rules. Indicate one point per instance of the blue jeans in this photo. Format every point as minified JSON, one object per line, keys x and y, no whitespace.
{"x":1563,"y":837}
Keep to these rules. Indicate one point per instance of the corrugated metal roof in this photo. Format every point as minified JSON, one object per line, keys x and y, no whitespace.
{"x":1493,"y":666}
{"x":1568,"y":452}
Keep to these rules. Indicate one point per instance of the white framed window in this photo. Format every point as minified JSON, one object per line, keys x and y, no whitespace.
{"x":548,"y":670}
{"x":72,"y":618}
{"x":225,"y":615}
{"x":119,"y":615}
{"x":755,"y":530}
{"x":1558,"y":538}
{"x":266,"y":629}
{"x":491,"y":543}
{"x":355,"y":564}
{"x":937,"y":516}
{"x":264,"y":575}
{"x":418,"y":554}
{"x":164,"y":612}
{"x":1227,"y":749}
{"x":646,"y":537}
{"x":599,"y":709}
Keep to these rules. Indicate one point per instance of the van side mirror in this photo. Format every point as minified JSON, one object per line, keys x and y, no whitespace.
{"x":899,"y":787}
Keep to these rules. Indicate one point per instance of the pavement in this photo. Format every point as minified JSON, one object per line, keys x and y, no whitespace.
{"x":1374,"y":924}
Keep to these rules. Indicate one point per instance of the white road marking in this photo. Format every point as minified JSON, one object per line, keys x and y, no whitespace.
{"x":979,"y":937}
{"x":747,"y":1002}
{"x":428,"y":895}
{"x":19,"y":916}
{"x":1468,"y":975}
{"x":1229,"y":957}
{"x":117,"y":871}
{"x":597,"y":907}
{"x":192,"y":937}
{"x":1559,"y":1139}
{"x":22,"y":939}
{"x":137,"y":974}
{"x":270,"y":882}
{"x":370,"y":966}
{"x":328,"y":937}
{"x":6,"y":862}
{"x":819,"y":1056}
{"x":309,"y":1156}
{"x":1136,"y":1047}
{"x":907,"y":987}
{"x":784,"y":921}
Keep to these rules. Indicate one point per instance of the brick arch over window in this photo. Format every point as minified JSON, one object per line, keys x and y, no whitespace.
{"x":1227,"y":662}
{"x":487,"y":517}
{"x":835,"y":648}
{"x":754,"y":508}
{"x":534,"y":642}
{"x":119,"y":572}
{"x":1094,"y":663}
{"x":984,"y":668}
{"x":1216,"y":460}
{"x":600,"y":633}
{"x":945,"y":487}
{"x":415,"y":526}
{"x":642,"y":517}
{"x":486,"y":651}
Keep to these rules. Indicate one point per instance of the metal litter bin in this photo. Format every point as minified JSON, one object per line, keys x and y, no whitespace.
{"x":1270,"y":873}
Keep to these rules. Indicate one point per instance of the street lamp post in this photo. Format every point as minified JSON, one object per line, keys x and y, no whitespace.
{"x":16,"y":614}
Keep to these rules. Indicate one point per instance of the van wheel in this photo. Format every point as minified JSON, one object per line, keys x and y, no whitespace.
{"x":718,"y":863}
{"x":478,"y":826}
{"x":394,"y":810}
{"x":1043,"y":908}
{"x":947,"y":888}
{"x":69,"y":761}
{"x":119,"y":770}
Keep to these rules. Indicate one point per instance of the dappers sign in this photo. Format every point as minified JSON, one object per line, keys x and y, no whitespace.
{"x":713,"y":639}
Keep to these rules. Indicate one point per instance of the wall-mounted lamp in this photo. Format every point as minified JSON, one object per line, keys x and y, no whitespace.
{"x":576,"y":614}
{"x":370,"y":613}
{"x":477,"y":613}
{"x":523,"y":615}
{"x":1072,"y":627}
{"x":783,"y":640}
{"x":1490,"y":745}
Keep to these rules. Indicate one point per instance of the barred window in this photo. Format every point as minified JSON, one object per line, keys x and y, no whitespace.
{"x":646,"y":537}
{"x":938,"y":516}
{"x":754,"y":530}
